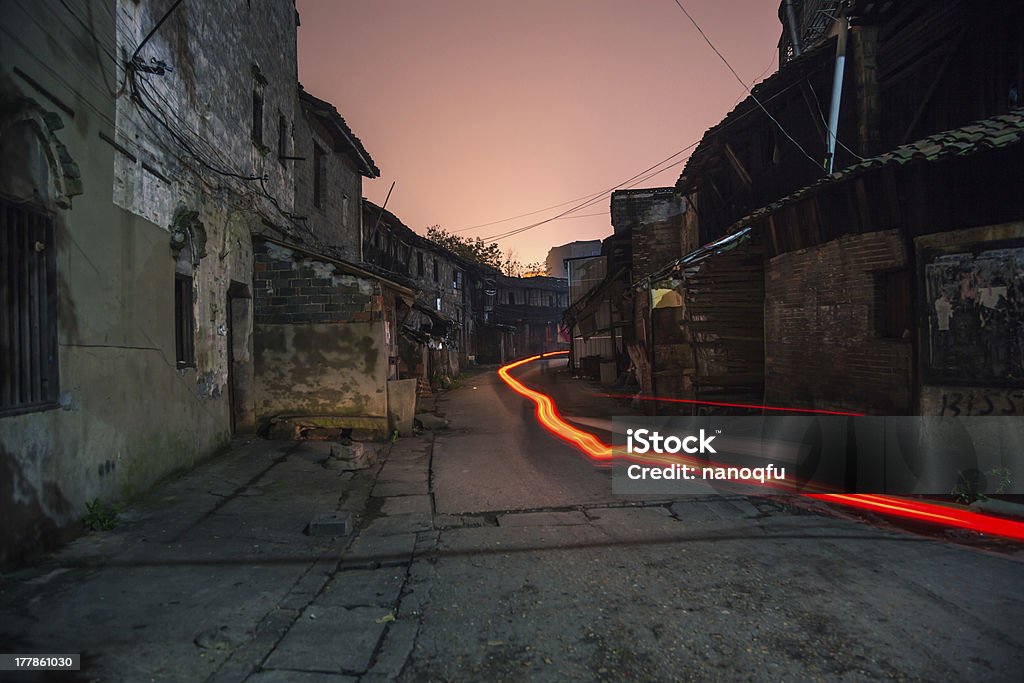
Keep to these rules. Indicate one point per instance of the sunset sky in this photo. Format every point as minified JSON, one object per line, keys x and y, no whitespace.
{"x":481,"y":110}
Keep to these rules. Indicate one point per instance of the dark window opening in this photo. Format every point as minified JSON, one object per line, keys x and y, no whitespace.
{"x":257,"y":116}
{"x":282,"y":138}
{"x":419,"y":264}
{"x":435,"y":271}
{"x":319,"y":175}
{"x":511,"y":298}
{"x":28,"y":310}
{"x":457,"y":281}
{"x":892,"y":304}
{"x":184,"y":327}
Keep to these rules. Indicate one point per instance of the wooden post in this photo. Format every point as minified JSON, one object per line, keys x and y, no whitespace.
{"x":865,"y":56}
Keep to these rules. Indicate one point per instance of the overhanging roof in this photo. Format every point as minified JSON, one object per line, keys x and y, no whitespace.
{"x":992,"y":133}
{"x":344,"y":139}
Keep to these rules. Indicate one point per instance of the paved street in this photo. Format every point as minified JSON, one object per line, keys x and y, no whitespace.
{"x":492,"y":551}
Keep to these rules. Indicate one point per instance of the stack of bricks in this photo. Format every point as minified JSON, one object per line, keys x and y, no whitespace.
{"x":296,"y":291}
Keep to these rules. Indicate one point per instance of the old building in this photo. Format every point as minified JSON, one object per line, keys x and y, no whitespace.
{"x":325,"y":336}
{"x":330,"y":164}
{"x":438,"y":333}
{"x":180,"y":253}
{"x":132,"y":179}
{"x":555,"y":263}
{"x":588,"y":316}
{"x":533,"y":307}
{"x":325,"y":344}
{"x":909,"y":306}
{"x":836,"y":326}
{"x":652,"y":221}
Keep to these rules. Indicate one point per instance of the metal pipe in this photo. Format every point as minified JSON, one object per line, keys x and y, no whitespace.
{"x":794,"y":34}
{"x":837,"y":91}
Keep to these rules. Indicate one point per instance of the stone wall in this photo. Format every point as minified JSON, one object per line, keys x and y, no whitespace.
{"x":337,"y":220}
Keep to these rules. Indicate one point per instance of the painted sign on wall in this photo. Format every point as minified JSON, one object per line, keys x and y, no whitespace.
{"x":974,"y":302}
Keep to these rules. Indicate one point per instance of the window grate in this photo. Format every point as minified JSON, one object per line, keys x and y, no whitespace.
{"x":184,"y":328}
{"x":28,"y":310}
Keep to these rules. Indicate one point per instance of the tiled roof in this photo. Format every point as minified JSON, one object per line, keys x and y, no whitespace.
{"x":372,"y":213}
{"x":992,"y":133}
{"x":342,"y":133}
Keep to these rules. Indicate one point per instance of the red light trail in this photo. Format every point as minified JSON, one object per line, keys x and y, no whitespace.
{"x":754,"y":406}
{"x":601,"y":454}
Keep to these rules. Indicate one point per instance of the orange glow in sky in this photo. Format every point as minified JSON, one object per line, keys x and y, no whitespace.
{"x":481,"y":111}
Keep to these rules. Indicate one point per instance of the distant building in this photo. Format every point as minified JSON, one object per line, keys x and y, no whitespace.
{"x":531,"y":309}
{"x":557,"y":256}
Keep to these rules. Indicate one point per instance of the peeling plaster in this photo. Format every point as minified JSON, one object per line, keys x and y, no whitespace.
{"x":278,"y":253}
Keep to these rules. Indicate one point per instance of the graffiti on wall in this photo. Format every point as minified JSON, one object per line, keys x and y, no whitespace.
{"x":974,"y":300}
{"x":968,"y":402}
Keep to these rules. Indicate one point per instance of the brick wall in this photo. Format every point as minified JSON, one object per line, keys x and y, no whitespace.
{"x":655,"y":218}
{"x":289,"y":287}
{"x":825,"y":346}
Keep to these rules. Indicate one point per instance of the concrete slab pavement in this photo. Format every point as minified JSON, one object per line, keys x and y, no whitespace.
{"x":490,"y":551}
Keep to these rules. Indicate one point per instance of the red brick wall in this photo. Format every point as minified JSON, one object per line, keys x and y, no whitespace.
{"x":825,"y":342}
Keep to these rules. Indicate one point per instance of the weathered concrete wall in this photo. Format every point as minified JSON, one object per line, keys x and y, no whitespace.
{"x":823,"y":348}
{"x":220,"y":53}
{"x":127,"y":415}
{"x":402,"y":405}
{"x":320,"y":342}
{"x":321,"y":369}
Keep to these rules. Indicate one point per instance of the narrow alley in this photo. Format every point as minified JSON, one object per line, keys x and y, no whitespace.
{"x":452,"y":341}
{"x":492,"y":551}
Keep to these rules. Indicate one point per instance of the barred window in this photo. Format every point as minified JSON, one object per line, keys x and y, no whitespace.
{"x":28,"y":310}
{"x":184,"y":329}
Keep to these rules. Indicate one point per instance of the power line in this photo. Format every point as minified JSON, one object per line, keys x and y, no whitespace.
{"x":745,"y":86}
{"x":528,"y":213}
{"x":640,"y":177}
{"x":592,"y":201}
{"x":105,"y":47}
{"x":600,"y":195}
{"x":821,"y":114}
{"x":153,"y":30}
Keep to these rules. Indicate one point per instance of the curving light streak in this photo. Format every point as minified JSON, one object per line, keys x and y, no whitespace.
{"x":754,"y":406}
{"x":601,"y":454}
{"x":549,"y":418}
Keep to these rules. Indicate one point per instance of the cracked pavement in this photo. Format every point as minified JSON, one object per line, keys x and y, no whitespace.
{"x":492,"y":551}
